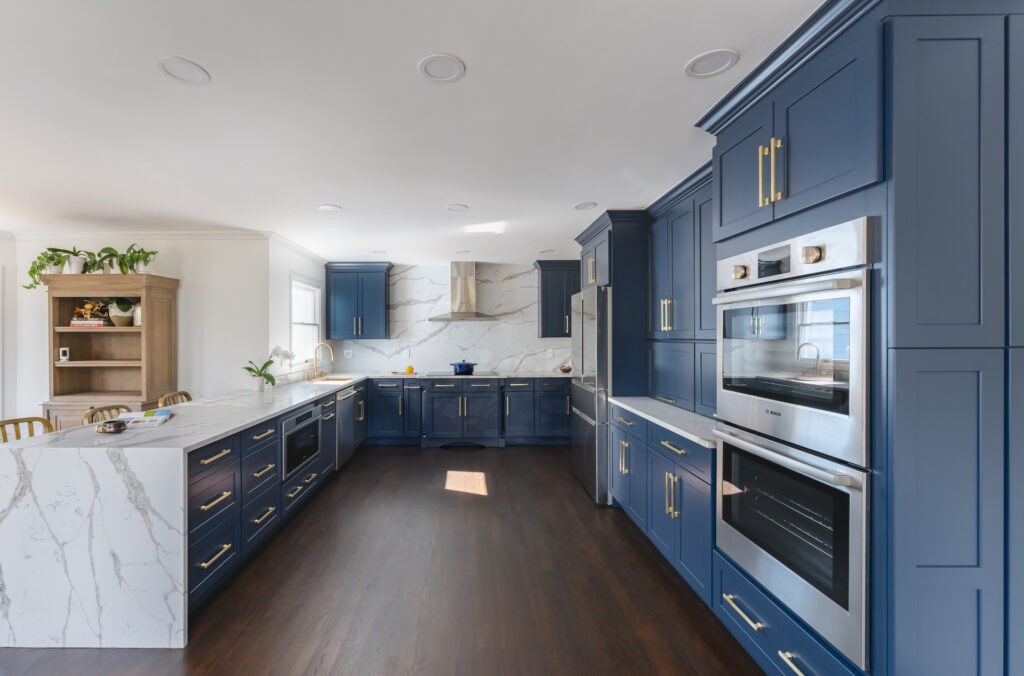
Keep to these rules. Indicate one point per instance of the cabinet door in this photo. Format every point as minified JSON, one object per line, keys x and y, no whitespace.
{"x":555,"y":292}
{"x":412,"y":420}
{"x":947,"y":511}
{"x":362,"y":425}
{"x":680,"y":307}
{"x":602,"y":259}
{"x":735,"y":167}
{"x":347,"y":430}
{"x":947,"y":273}
{"x":620,"y":469}
{"x":443,"y":415}
{"x":385,"y":414}
{"x":551,"y":414}
{"x":671,"y":373}
{"x":660,"y":256}
{"x":636,"y":463}
{"x":705,"y":272}
{"x":1015,"y":512}
{"x":342,"y":304}
{"x":705,"y":369}
{"x":661,"y":522}
{"x":828,"y":115}
{"x":695,"y":514}
{"x":328,"y":440}
{"x":518,"y":414}
{"x":1015,"y":176}
{"x":588,"y":267}
{"x":481,"y":415}
{"x":373,"y":304}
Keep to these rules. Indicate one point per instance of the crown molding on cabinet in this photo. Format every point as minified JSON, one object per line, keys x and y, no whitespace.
{"x":695,"y":180}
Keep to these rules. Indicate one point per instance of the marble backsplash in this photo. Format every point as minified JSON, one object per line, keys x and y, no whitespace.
{"x":508,"y":345}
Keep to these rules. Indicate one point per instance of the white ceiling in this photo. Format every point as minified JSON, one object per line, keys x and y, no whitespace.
{"x":320,"y":101}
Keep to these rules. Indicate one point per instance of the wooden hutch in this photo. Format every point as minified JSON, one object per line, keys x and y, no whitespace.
{"x":131,"y":365}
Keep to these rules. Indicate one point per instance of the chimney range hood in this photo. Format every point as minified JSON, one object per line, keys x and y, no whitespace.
{"x":463,"y":296}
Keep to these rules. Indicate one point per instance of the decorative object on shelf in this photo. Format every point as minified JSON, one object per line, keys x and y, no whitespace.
{"x":565,"y":368}
{"x":134,"y":259}
{"x":137,"y":315}
{"x":49,"y":261}
{"x":65,"y":354}
{"x":52,"y":260}
{"x":410,"y":370}
{"x":121,"y":311}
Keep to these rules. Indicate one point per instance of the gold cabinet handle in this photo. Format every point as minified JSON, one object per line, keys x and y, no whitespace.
{"x":479,"y":384}
{"x":263,"y":472}
{"x":672,"y":510}
{"x":386,"y":385}
{"x":224,"y":549}
{"x":592,"y":270}
{"x":568,"y":405}
{"x":298,"y":489}
{"x":622,"y":460}
{"x":671,"y":401}
{"x":506,"y":406}
{"x":465,"y":406}
{"x":310,"y":478}
{"x":625,"y":422}
{"x":673,"y":448}
{"x":354,"y":327}
{"x":412,"y":387}
{"x":668,"y":510}
{"x":329,"y":404}
{"x":730,"y":599}
{"x":328,"y":416}
{"x":400,"y":406}
{"x":264,"y":435}
{"x":787,"y":657}
{"x":625,"y":457}
{"x":668,"y":314}
{"x":661,"y":319}
{"x":215,"y":458}
{"x":266,"y":515}
{"x":567,"y":325}
{"x":762,"y":201}
{"x":210,"y":505}
{"x":444,"y":385}
{"x":360,"y":326}
{"x":776,"y":143}
{"x":519,"y":384}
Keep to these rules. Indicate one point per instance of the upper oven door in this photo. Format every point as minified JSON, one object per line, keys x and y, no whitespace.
{"x":792,"y":362}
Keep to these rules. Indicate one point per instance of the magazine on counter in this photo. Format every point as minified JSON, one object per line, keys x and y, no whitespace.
{"x":146,"y":418}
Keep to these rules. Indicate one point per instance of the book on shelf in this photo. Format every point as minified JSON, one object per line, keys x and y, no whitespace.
{"x":88,"y":322}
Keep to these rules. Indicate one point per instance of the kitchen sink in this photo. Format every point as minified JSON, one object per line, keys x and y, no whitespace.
{"x":332,"y":380}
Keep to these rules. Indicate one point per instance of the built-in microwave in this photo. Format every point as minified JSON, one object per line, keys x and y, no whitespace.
{"x":300,"y":439}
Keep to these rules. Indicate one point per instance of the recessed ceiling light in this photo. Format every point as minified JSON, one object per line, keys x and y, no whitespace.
{"x":462,"y":251}
{"x":457,"y":206}
{"x":442,"y":68}
{"x":712,"y":63}
{"x":379,"y":251}
{"x":182,"y":70}
{"x":584,"y":206}
{"x":546,"y":251}
{"x":329,"y":208}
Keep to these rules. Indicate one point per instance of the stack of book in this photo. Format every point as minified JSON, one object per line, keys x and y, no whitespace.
{"x":94,"y":323}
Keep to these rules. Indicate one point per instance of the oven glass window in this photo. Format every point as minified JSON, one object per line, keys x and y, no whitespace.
{"x":301,"y":445}
{"x":801,"y":522}
{"x":798,"y":353}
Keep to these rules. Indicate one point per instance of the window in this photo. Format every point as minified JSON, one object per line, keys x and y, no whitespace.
{"x":305,"y":319}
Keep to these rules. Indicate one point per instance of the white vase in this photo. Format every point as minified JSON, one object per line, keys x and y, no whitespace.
{"x":137,"y":315}
{"x":120,"y":318}
{"x":76,"y":264}
{"x":258,"y":383}
{"x":53,"y":270}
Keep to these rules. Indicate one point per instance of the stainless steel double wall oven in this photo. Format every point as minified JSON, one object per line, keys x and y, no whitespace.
{"x":793,"y":455}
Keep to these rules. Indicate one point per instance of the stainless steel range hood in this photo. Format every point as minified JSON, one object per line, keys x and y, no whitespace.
{"x":463,"y":296}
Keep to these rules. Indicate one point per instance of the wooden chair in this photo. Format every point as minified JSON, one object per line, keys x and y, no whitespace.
{"x":29,"y":423}
{"x":101,"y":413}
{"x":173,"y":399}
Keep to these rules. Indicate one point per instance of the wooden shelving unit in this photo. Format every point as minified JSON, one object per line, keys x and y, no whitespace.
{"x":131,"y":365}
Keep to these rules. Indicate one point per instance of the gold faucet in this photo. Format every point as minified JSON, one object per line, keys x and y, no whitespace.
{"x":817,"y":365}
{"x":316,"y":372}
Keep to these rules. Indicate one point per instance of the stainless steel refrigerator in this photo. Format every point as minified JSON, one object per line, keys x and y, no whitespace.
{"x":591,"y":362}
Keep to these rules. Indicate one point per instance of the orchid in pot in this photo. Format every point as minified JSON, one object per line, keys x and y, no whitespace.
{"x":261,"y":374}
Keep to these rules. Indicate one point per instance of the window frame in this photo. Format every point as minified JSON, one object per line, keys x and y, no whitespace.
{"x":317,"y":288}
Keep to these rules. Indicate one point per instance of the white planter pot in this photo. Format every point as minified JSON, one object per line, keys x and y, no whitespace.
{"x":137,"y":315}
{"x":76,"y":264}
{"x":53,"y":270}
{"x":258,"y":383}
{"x":120,"y":318}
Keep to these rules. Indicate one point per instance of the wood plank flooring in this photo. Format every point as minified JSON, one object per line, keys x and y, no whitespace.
{"x":386,"y":572}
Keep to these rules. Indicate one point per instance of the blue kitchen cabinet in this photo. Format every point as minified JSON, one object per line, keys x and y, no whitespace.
{"x":705,"y":274}
{"x":660,"y":257}
{"x":386,"y":408}
{"x":347,"y":415}
{"x":557,"y":282}
{"x":328,"y":434}
{"x":357,"y":300}
{"x":362,"y":426}
{"x":1015,"y":175}
{"x":442,"y":413}
{"x":661,"y":520}
{"x":670,"y":376}
{"x":552,"y":412}
{"x":481,"y":415}
{"x":1015,"y":514}
{"x":947,"y":100}
{"x":694,"y":514}
{"x":519,"y":412}
{"x":947,"y":455}
{"x":411,"y":413}
{"x":705,"y":368}
{"x":635,"y":458}
{"x":619,"y":482}
{"x":595,"y":262}
{"x":819,"y":134}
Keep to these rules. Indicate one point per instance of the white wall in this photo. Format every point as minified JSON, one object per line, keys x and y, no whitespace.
{"x":8,"y":326}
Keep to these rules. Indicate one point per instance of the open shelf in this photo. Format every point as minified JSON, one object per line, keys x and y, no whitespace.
{"x":126,"y":395}
{"x":92,"y":329}
{"x":94,"y":363}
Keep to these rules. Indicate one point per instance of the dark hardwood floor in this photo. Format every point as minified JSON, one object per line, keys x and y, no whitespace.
{"x":386,"y":572}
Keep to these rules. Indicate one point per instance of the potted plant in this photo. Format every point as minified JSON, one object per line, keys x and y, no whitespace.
{"x":76,"y":260}
{"x":131,"y":260}
{"x":49,"y":261}
{"x":139,"y":258}
{"x":260,"y":375}
{"x":120,"y":311}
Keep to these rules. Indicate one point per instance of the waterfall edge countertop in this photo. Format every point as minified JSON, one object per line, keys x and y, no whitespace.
{"x":695,"y":427}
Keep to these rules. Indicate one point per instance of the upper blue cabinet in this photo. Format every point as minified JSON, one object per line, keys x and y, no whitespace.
{"x":818,"y":135}
{"x":357,"y":300}
{"x":557,"y":282}
{"x":1015,"y":177}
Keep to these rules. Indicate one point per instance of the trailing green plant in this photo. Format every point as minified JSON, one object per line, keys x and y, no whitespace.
{"x":46,"y":258}
{"x":128,"y":261}
{"x":262,"y":371}
{"x":122,"y":304}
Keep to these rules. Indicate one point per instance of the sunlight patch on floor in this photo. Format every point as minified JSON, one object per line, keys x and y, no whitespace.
{"x":466,"y":482}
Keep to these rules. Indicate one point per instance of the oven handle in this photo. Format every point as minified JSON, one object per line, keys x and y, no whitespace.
{"x":800,"y":467}
{"x":782,"y":290}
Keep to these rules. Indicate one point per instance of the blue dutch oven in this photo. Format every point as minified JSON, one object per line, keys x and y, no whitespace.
{"x":464,"y":368}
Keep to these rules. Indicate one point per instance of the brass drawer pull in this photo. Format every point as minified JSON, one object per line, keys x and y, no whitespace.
{"x":264,"y":435}
{"x":730,"y":599}
{"x":480,"y":385}
{"x":567,"y":324}
{"x":224,"y":549}
{"x":568,"y":405}
{"x":210,"y":505}
{"x":263,"y":472}
{"x":412,"y":387}
{"x":776,"y":143}
{"x":328,"y":416}
{"x":762,"y":201}
{"x":668,"y":510}
{"x":386,"y":385}
{"x":298,"y":489}
{"x":673,"y":448}
{"x":625,"y":422}
{"x":668,"y":314}
{"x":329,"y":404}
{"x":506,"y":406}
{"x":519,"y":384}
{"x":215,"y":458}
{"x":787,"y":657}
{"x":310,"y":478}
{"x":266,"y":515}
{"x":625,"y":457}
{"x":666,"y":399}
{"x":673,"y":512}
{"x":444,"y":385}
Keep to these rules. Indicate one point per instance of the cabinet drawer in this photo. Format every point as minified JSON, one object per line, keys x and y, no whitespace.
{"x":519,"y":384}
{"x":261,"y":517}
{"x":212,"y":558}
{"x":481,"y":385}
{"x":629,"y":422}
{"x":387,"y":384}
{"x":268,"y":432}
{"x":261,"y":469}
{"x":295,"y":492}
{"x":214,"y":498}
{"x":693,"y":457}
{"x":779,"y":634}
{"x":207,"y":460}
{"x":556,"y":384}
{"x":444,"y":385}
{"x":327,"y":404}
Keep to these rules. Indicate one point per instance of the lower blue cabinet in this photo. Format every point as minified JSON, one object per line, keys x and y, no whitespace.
{"x":443,"y":415}
{"x":328,"y":435}
{"x":386,"y":408}
{"x":519,"y":414}
{"x":635,"y":459}
{"x":412,"y":422}
{"x":481,"y":415}
{"x":693,"y":508}
{"x":661,"y":524}
{"x":261,"y":517}
{"x":619,"y":482}
{"x":212,"y":558}
{"x":297,"y":489}
{"x":552,"y":412}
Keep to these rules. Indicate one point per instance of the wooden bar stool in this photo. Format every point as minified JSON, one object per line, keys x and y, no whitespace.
{"x":29,"y":423}
{"x":101,"y":413}
{"x":173,"y":399}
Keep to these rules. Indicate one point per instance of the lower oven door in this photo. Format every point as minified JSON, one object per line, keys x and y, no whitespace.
{"x":797,"y":524}
{"x":301,"y":444}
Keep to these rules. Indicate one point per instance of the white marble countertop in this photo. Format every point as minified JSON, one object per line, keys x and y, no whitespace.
{"x":696,"y":428}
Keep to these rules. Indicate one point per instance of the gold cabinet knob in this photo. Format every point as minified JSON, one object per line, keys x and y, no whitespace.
{"x":739,"y":271}
{"x":813,"y":254}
